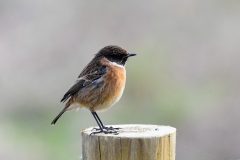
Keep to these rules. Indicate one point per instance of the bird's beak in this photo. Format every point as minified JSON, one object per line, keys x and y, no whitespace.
{"x":131,"y":54}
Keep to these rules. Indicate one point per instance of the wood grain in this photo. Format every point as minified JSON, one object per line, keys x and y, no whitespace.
{"x":134,"y":142}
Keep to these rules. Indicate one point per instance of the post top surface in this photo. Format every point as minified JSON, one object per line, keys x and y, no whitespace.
{"x":136,"y":131}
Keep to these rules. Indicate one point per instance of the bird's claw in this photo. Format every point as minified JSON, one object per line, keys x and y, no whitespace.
{"x":105,"y":130}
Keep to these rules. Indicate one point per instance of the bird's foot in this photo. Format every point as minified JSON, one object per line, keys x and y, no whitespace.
{"x":111,"y":128}
{"x":106,"y":130}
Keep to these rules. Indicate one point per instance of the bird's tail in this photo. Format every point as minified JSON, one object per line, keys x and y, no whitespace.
{"x":61,"y":113}
{"x":58,"y":116}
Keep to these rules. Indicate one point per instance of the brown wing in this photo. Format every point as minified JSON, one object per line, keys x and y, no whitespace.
{"x":90,"y":68}
{"x":89,"y":75}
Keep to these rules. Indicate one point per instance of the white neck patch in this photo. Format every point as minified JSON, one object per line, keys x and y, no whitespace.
{"x":117,"y":65}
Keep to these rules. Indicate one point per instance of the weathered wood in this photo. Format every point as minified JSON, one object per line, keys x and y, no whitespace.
{"x":134,"y":142}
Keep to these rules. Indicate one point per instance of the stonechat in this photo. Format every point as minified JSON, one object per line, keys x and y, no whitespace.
{"x":100,"y":85}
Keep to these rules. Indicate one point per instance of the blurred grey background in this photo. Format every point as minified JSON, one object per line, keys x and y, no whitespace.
{"x":186,"y":73}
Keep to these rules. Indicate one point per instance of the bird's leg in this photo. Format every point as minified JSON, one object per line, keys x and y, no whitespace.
{"x":104,"y":127}
{"x":99,"y":120}
{"x":100,"y":129}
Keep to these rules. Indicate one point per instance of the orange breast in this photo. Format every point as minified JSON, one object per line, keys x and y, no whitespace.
{"x":113,"y":87}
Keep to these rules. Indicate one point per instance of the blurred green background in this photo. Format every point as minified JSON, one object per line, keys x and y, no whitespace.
{"x":186,"y":73}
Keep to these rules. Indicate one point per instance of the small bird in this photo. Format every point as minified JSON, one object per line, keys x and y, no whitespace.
{"x":100,"y":85}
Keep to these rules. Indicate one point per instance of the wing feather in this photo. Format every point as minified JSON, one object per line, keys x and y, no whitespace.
{"x":84,"y":81}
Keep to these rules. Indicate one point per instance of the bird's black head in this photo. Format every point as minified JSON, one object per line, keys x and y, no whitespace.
{"x":115,"y":54}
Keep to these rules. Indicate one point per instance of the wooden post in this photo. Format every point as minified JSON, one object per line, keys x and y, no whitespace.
{"x":134,"y":142}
